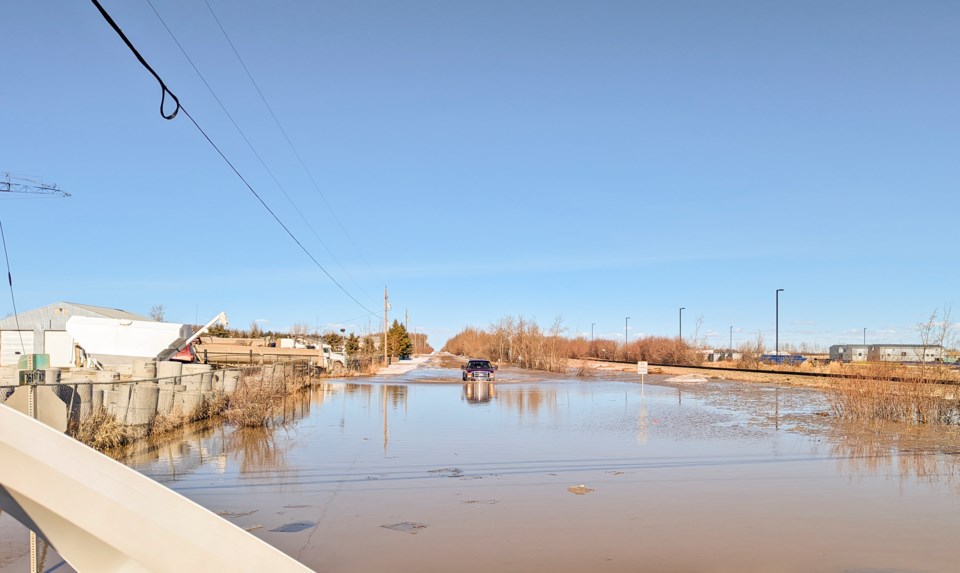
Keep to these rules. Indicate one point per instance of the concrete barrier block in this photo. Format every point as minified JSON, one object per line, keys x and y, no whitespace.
{"x":121,"y":401}
{"x":187,"y":401}
{"x":144,"y":398}
{"x":230,"y":380}
{"x":168,"y":372}
{"x":144,"y":369}
{"x":165,"y":400}
{"x":85,"y":395}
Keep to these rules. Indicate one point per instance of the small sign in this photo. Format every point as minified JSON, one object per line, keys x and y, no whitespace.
{"x":642,"y":368}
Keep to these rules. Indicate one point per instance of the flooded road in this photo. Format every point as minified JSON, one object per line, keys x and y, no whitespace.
{"x":538,"y":472}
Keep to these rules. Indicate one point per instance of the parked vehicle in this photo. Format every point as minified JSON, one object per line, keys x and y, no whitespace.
{"x":332,"y":362}
{"x":477,"y":369}
{"x":791,"y":359}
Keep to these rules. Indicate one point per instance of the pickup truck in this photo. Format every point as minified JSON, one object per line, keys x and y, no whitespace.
{"x":476,"y":369}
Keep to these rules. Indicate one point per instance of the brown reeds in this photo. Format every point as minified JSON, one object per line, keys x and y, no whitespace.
{"x":909,"y":401}
{"x":103,"y":431}
{"x":256,"y":401}
{"x":166,"y":423}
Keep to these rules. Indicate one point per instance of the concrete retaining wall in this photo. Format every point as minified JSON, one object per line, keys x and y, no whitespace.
{"x":164,"y":388}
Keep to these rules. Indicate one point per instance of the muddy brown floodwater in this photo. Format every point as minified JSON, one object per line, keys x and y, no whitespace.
{"x":559,"y":474}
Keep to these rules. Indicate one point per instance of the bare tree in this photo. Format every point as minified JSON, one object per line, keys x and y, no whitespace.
{"x":936,"y":332}
{"x":158,"y":312}
{"x":299,"y":329}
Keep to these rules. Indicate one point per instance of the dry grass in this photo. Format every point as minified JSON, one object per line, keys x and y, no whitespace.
{"x":256,"y":402}
{"x":166,"y":423}
{"x":103,"y":431}
{"x":910,"y":402}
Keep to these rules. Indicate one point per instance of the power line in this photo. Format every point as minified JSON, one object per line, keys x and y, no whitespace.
{"x":289,"y":141}
{"x":253,"y":149}
{"x":13,"y":300}
{"x":180,"y":107}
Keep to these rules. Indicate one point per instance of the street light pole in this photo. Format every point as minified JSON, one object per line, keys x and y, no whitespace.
{"x":681,"y":324}
{"x":864,"y":336}
{"x":777,"y":330}
{"x":731,"y":342}
{"x":591,"y":330}
{"x":626,"y":336}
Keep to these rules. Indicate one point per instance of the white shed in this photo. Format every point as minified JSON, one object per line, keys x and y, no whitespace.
{"x":44,"y":331}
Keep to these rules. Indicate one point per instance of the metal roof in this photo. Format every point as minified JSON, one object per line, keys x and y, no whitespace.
{"x":54,"y":316}
{"x":111,"y":312}
{"x":931,"y":346}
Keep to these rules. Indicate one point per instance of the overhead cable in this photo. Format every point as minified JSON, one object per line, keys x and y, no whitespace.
{"x":180,"y":107}
{"x":243,"y":135}
{"x":13,"y":300}
{"x":293,"y":148}
{"x":164,"y":90}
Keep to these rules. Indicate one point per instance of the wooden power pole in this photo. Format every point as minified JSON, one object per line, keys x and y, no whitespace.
{"x":386,"y":308}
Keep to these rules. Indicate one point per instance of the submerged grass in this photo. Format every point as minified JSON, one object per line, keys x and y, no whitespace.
{"x":258,"y":400}
{"x":912,"y":402}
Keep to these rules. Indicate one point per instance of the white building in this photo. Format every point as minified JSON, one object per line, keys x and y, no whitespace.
{"x":905,"y":353}
{"x":44,"y":331}
{"x":848,"y":353}
{"x":886,"y":353}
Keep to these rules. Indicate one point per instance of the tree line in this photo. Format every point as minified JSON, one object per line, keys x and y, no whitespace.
{"x":400,"y":342}
{"x":524,"y":343}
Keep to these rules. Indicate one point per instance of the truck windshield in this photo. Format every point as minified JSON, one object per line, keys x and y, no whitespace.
{"x":479,"y":364}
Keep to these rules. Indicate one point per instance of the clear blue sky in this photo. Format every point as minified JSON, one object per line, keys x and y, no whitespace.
{"x":590,"y":160}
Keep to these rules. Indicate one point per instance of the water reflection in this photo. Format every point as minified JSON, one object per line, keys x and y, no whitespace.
{"x":529,"y":399}
{"x":478,"y":392}
{"x":926,"y":454}
{"x":255,"y":450}
{"x":732,"y":417}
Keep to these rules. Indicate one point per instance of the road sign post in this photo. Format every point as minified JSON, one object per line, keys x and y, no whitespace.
{"x":642,"y":370}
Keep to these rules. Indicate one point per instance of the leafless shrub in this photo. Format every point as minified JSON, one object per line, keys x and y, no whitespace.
{"x":255,"y":402}
{"x":912,"y":402}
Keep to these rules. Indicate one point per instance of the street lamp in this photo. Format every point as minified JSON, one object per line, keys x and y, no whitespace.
{"x":864,"y":336}
{"x":343,"y":340}
{"x":777,"y":330}
{"x":731,"y":342}
{"x":626,"y":321}
{"x":591,"y":330}
{"x":681,"y":323}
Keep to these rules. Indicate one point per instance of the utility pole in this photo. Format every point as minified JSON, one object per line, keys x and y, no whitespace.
{"x":406,"y":319}
{"x":776,"y":348}
{"x":386,"y":308}
{"x":680,"y":335}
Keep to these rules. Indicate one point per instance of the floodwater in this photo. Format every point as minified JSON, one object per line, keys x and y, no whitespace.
{"x":538,"y":472}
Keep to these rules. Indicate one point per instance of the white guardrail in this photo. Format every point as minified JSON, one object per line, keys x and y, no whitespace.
{"x":103,"y":516}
